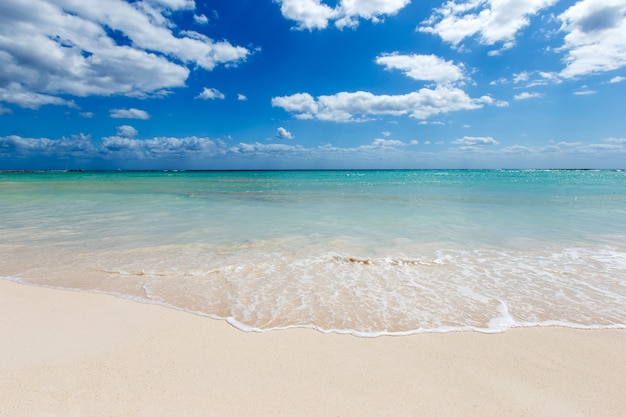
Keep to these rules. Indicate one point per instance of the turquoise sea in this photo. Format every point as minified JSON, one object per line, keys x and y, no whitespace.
{"x":361,"y":252}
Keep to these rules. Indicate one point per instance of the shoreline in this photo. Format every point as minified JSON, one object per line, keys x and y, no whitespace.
{"x":66,"y":353}
{"x":354,"y":333}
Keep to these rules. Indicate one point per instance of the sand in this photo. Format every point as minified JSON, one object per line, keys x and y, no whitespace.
{"x":67,"y":354}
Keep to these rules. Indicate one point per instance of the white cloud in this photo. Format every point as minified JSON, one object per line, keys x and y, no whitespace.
{"x":616,"y":141}
{"x":617,"y":79}
{"x":309,"y":14}
{"x":351,"y":10}
{"x":158,"y":147}
{"x":423,"y":67}
{"x":526,"y":95}
{"x":536,"y":78}
{"x":4,"y":110}
{"x":387,"y":143}
{"x":170,"y":151}
{"x":131,"y":113}
{"x":16,"y":94}
{"x":595,"y":40}
{"x":282,"y":133}
{"x":121,"y":146}
{"x":521,"y":77}
{"x":241,"y":97}
{"x":48,"y":48}
{"x":200,"y":19}
{"x":475,"y":141}
{"x":584,"y":92}
{"x":210,"y":94}
{"x":87,"y":114}
{"x":313,"y":14}
{"x":302,"y":103}
{"x":75,"y":145}
{"x":361,"y":105}
{"x":263,"y":150}
{"x":174,"y":4}
{"x":126,"y":131}
{"x":492,"y":21}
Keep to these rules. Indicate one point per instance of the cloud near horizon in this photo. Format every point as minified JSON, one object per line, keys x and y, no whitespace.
{"x":475,"y":141}
{"x":125,"y":147}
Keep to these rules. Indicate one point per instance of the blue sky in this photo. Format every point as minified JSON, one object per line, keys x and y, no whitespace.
{"x":283,"y":84}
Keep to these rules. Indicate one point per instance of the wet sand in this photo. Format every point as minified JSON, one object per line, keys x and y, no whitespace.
{"x":65,"y":353}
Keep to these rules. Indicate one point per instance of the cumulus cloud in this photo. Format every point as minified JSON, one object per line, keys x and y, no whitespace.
{"x":89,"y":47}
{"x":200,"y":19}
{"x":282,"y":133}
{"x":584,"y":92}
{"x":616,"y":141}
{"x":492,"y":21}
{"x":126,"y":131}
{"x":19,"y":147}
{"x":309,"y":14}
{"x":4,"y":110}
{"x":174,"y":4}
{"x":526,"y":95}
{"x":362,"y":105}
{"x":351,"y":10}
{"x":15,"y":93}
{"x":423,"y":67}
{"x":475,"y":141}
{"x":387,"y":143}
{"x":241,"y":97}
{"x":156,"y":151}
{"x":131,"y":113}
{"x":313,"y":14}
{"x":158,"y":147}
{"x":211,"y":94}
{"x":594,"y":40}
{"x":536,"y":78}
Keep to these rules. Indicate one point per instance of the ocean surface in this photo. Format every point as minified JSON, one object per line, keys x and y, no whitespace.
{"x":363,"y":252}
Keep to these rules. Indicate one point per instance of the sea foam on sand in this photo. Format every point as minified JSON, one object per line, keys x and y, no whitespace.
{"x":79,"y":354}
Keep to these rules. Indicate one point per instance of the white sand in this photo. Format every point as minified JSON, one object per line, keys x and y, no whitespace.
{"x":75,"y":354}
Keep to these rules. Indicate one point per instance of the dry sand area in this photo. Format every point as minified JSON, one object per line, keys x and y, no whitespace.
{"x":69,"y":354}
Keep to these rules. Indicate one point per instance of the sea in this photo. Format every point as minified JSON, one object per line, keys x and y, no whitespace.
{"x":367,"y":253}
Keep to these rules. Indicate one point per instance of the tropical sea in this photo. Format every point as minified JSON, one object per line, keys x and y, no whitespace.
{"x":362,"y":252}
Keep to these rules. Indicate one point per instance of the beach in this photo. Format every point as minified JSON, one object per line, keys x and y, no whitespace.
{"x":67,"y":353}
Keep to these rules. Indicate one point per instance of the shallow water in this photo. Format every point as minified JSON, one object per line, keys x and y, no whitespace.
{"x":361,"y":252}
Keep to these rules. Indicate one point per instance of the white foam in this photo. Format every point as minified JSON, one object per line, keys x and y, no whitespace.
{"x":499,"y":324}
{"x":502,"y":322}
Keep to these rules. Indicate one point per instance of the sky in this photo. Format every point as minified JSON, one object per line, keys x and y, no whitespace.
{"x":312,"y":84}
